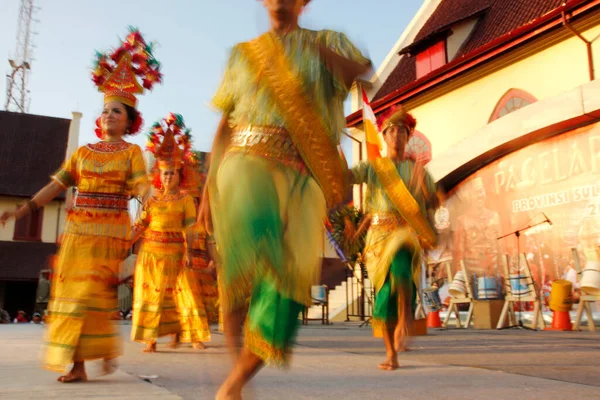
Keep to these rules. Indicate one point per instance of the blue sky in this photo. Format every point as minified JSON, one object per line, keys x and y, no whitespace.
{"x":194,"y":37}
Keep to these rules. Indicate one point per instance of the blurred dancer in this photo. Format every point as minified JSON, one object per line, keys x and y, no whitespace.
{"x":97,"y":234}
{"x":197,"y":288}
{"x":166,"y":227}
{"x":275,"y":167}
{"x":399,"y":196}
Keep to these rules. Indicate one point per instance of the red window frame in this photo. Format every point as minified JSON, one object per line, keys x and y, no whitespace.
{"x":29,"y":228}
{"x":431,"y":59}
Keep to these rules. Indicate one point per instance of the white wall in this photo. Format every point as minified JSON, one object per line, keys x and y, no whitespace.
{"x":52,"y":219}
{"x":579,"y":102}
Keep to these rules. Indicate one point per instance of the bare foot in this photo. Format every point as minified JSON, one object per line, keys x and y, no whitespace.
{"x":228,"y":392}
{"x":175,"y":342}
{"x":388,"y":367}
{"x":150,"y":348}
{"x":390,"y":364}
{"x":77,"y":374}
{"x":109,"y":366}
{"x":199,"y":346}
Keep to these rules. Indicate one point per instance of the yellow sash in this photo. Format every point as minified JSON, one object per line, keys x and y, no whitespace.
{"x":406,"y":205}
{"x":266,"y":55}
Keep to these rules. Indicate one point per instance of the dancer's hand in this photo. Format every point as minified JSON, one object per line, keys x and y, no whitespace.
{"x":6,"y":215}
{"x":211,"y":267}
{"x":348,"y":70}
{"x":187,"y":261}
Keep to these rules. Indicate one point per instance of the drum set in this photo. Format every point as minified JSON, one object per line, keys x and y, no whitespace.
{"x":488,"y":288}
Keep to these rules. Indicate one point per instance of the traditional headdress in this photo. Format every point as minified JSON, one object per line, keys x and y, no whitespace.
{"x":116,"y":73}
{"x":396,"y":116}
{"x":198,"y":167}
{"x":170,"y":142}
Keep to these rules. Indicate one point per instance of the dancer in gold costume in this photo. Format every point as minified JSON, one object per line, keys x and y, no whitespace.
{"x":273,"y":175}
{"x":98,"y":230}
{"x":166,"y":224}
{"x":197,"y":288}
{"x":399,"y":196}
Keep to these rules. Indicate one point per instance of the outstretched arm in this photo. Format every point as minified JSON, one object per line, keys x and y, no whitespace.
{"x":348,"y":70}
{"x":41,"y":198}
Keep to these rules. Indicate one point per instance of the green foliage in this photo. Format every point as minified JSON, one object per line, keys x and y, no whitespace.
{"x":343,"y":225}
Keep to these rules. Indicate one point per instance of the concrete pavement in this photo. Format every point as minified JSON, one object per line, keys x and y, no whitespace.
{"x":21,"y":375}
{"x":334,"y":362}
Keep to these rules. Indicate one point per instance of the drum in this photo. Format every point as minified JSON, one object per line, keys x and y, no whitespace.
{"x":319,"y":293}
{"x":431,"y":299}
{"x":561,"y":296}
{"x":519,"y":286}
{"x":590,"y":278}
{"x":487,"y":288}
{"x":445,"y":294}
{"x":458,"y":288}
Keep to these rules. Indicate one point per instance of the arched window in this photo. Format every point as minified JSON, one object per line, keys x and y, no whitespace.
{"x":511,"y":101}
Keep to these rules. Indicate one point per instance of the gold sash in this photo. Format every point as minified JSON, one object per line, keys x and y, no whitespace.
{"x":267,"y":57}
{"x":406,"y":205}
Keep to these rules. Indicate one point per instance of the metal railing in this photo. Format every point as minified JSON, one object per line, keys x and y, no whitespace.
{"x":359,"y":296}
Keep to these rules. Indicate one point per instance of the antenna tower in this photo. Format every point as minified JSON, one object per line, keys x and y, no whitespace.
{"x":17,"y":92}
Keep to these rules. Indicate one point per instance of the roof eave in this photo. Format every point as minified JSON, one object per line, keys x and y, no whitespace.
{"x":440,"y":33}
{"x":478,"y":56}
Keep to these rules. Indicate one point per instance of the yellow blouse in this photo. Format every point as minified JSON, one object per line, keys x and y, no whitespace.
{"x":250,"y":103}
{"x":174,"y":213}
{"x":106,"y":175}
{"x":105,"y":167}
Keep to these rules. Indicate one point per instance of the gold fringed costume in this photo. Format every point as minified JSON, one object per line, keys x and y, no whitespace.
{"x":270,"y":191}
{"x":95,"y":242}
{"x":159,"y":263}
{"x":197,"y":293}
{"x":393,"y":249}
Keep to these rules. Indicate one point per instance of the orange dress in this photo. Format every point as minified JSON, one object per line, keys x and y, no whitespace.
{"x":96,"y":239}
{"x":159,"y":264}
{"x":197,"y":294}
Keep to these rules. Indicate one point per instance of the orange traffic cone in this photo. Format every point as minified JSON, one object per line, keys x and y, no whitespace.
{"x":561,"y":321}
{"x":433,"y":319}
{"x":561,"y":301}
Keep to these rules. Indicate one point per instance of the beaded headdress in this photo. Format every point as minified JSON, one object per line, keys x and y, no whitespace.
{"x":116,"y":73}
{"x":169,"y":140}
{"x":199,"y":162}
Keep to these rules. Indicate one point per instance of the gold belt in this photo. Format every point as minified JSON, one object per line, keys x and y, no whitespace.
{"x":164,"y":237}
{"x":387,"y":219}
{"x":102,"y":200}
{"x":269,"y":142}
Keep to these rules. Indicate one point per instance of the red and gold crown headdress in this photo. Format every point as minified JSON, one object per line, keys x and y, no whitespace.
{"x":116,"y":73}
{"x":396,"y":115}
{"x":170,"y":141}
{"x":198,"y":179}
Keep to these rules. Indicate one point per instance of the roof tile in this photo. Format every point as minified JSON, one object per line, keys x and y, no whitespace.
{"x":498,"y":18}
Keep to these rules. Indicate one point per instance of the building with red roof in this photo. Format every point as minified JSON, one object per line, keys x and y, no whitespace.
{"x":33,"y":148}
{"x":507,"y":99}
